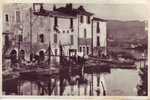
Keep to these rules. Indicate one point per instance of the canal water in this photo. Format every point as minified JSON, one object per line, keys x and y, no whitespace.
{"x":119,"y":82}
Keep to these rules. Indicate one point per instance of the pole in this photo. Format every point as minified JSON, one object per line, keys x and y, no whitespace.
{"x":106,"y":40}
{"x":49,"y":54}
{"x":92,"y":38}
{"x":19,"y":49}
{"x":92,"y":83}
{"x":78,"y":33}
{"x":104,"y":92}
{"x":30,"y":30}
{"x":31,"y":87}
{"x":49,"y":87}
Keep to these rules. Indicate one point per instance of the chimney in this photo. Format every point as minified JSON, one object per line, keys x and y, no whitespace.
{"x":41,"y":7}
{"x":81,"y":8}
{"x":69,"y":6}
{"x":54,"y":7}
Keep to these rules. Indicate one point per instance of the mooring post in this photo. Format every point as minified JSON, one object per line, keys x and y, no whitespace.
{"x":55,"y":88}
{"x":90,"y":92}
{"x":85,"y":89}
{"x":104,"y":91}
{"x":78,"y":88}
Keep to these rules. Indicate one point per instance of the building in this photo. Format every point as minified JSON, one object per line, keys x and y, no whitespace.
{"x":35,"y":27}
{"x":15,"y":24}
{"x":85,"y":29}
{"x":99,"y":36}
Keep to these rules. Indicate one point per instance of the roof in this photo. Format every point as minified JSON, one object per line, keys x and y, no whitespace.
{"x":83,"y":41}
{"x":99,"y":19}
{"x":7,"y":32}
{"x":65,"y":12}
{"x":44,"y":12}
{"x":82,"y":11}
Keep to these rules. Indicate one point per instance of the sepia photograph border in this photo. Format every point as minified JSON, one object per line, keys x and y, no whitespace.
{"x":145,"y":2}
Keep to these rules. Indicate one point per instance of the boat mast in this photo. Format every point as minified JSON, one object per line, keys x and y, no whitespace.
{"x":30,"y":30}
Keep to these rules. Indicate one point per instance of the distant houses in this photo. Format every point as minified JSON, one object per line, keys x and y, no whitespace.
{"x":33,"y":28}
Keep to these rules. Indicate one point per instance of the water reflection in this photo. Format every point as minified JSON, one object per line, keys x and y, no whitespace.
{"x":121,"y":82}
{"x":117,"y":82}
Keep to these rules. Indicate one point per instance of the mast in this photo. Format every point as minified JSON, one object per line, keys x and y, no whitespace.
{"x":78,"y":34}
{"x":49,"y":54}
{"x":30,"y":30}
{"x":92,"y":38}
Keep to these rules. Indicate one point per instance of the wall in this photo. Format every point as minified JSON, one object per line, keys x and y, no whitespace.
{"x":83,"y":26}
{"x":86,"y":26}
{"x":102,"y":34}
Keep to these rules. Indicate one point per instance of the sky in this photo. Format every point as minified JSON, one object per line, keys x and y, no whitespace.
{"x":116,"y":11}
{"x":132,"y":11}
{"x":119,"y":11}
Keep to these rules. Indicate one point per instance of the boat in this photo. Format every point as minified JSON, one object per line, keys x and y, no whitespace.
{"x":112,"y":63}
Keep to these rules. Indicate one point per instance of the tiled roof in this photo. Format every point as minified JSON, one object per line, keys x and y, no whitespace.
{"x":83,"y":41}
{"x":99,"y":19}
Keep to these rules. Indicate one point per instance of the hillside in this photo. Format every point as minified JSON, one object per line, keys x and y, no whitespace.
{"x":127,"y":31}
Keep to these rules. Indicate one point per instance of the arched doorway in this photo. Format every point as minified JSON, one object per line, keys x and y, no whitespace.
{"x":13,"y":58}
{"x":41,"y":55}
{"x":22,"y":54}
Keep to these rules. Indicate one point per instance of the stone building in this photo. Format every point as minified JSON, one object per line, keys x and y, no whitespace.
{"x":35,"y":27}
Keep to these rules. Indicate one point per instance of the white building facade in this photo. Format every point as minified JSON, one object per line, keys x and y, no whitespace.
{"x":100,"y":35}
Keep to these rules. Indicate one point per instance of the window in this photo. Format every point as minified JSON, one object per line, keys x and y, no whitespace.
{"x":81,"y":19}
{"x":55,"y":38}
{"x":83,"y":50}
{"x":18,"y":16}
{"x":6,"y":18}
{"x":85,"y":34}
{"x":71,"y":39}
{"x":87,"y":50}
{"x":71,"y":23}
{"x":55,"y":21}
{"x":20,"y":38}
{"x":41,"y":38}
{"x":98,"y":41}
{"x":98,"y":29}
{"x":80,"y":49}
{"x":88,"y":19}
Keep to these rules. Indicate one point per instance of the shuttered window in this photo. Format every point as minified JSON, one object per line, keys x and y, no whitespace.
{"x":71,"y":39}
{"x":81,"y":19}
{"x":18,"y":16}
{"x":98,"y":28}
{"x":6,"y":18}
{"x":55,"y":38}
{"x":41,"y":38}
